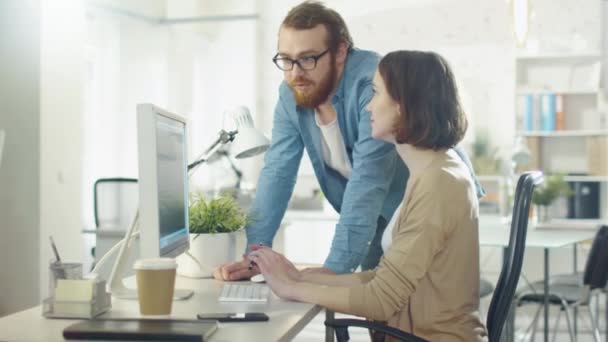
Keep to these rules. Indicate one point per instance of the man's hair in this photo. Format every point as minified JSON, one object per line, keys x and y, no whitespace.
{"x":312,"y":13}
{"x":424,"y":86}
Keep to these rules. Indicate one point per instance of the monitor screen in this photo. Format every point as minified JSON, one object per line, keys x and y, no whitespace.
{"x":171,"y":164}
{"x":163,"y":182}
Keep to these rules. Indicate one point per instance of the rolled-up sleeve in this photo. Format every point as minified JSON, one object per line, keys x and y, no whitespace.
{"x":277,"y":179}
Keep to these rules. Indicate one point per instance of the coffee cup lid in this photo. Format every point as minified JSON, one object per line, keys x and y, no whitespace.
{"x":155,"y":264}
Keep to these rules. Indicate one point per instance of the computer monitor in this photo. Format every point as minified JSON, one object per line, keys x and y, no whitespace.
{"x":163,"y":194}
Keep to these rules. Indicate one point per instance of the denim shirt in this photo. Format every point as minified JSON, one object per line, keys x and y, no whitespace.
{"x":377,"y":182}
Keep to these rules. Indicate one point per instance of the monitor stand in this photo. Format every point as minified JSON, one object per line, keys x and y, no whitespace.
{"x":116,"y":285}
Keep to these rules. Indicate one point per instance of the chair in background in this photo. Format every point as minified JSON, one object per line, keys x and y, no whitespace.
{"x":115,"y":201}
{"x":572,"y":292}
{"x":502,"y":299}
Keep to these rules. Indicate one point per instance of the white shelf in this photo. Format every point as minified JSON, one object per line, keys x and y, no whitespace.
{"x":526,"y":91}
{"x":586,"y":178}
{"x":557,"y":134}
{"x":560,"y":55}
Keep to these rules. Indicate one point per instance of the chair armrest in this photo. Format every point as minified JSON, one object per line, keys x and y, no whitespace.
{"x":341,"y":327}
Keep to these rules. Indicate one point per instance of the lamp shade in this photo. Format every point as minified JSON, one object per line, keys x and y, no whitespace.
{"x":248,"y":142}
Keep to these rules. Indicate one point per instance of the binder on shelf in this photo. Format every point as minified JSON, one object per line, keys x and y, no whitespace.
{"x":528,"y":112}
{"x":560,"y":116}
{"x":536,"y":112}
{"x":548,"y":111}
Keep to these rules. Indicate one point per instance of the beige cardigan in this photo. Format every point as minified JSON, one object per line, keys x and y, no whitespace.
{"x":427,"y":283}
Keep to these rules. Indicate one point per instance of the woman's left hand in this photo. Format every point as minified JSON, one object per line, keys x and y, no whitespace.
{"x":277,"y":271}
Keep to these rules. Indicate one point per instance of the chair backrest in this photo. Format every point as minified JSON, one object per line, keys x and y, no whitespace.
{"x":513,"y":258}
{"x":115,"y":202}
{"x":596,"y":268}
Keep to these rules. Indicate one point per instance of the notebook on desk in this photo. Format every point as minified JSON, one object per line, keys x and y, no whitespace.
{"x":140,"y":330}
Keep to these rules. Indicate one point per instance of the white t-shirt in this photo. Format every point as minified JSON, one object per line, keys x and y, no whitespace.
{"x":387,"y":236}
{"x":334,"y":151}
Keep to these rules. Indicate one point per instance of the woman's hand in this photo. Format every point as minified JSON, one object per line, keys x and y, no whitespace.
{"x":280,"y":274}
{"x":281,"y":262}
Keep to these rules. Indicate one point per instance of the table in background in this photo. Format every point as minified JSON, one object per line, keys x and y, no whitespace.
{"x":494,"y":231}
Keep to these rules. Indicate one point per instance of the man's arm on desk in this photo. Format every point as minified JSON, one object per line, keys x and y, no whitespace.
{"x":274,"y":188}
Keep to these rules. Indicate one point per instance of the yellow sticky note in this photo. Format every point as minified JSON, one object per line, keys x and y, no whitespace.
{"x":74,"y":290}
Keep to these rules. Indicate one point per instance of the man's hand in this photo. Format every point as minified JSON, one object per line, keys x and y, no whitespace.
{"x":238,"y":270}
{"x":321,"y":270}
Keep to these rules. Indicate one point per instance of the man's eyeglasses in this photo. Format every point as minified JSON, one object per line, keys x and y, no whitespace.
{"x":305,"y":63}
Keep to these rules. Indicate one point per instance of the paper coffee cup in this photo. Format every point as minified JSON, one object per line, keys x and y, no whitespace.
{"x":155,"y":285}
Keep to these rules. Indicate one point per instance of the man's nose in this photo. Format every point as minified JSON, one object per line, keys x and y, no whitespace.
{"x":297,"y":70}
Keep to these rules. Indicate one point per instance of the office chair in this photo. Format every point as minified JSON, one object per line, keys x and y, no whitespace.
{"x":569,"y":293}
{"x":507,"y":281}
{"x":115,"y":201}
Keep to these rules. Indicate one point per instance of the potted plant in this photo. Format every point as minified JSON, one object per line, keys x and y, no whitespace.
{"x":214,"y":225}
{"x":553,"y":187}
{"x":483,"y":157}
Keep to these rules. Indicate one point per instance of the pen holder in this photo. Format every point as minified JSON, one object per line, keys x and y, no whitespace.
{"x":71,"y":296}
{"x":99,"y":302}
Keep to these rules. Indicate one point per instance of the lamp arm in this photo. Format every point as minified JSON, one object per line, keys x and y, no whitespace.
{"x":223,"y":138}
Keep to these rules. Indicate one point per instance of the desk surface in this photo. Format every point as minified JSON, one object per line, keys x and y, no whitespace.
{"x":286,"y":318}
{"x":494,"y":231}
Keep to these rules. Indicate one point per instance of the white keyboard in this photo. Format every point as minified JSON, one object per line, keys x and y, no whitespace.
{"x":252,"y":293}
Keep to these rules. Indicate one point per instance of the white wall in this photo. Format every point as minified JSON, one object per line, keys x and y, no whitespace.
{"x":19,"y":182}
{"x":62,"y":66}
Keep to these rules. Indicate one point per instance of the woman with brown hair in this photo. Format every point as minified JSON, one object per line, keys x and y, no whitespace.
{"x":427,"y":282}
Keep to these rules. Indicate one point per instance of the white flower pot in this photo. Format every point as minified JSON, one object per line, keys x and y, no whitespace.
{"x":210,"y":251}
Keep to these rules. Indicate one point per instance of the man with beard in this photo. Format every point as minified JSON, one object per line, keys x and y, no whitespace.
{"x":321,"y":108}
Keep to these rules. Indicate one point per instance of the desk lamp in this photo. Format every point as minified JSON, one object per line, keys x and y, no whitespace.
{"x":249,"y":144}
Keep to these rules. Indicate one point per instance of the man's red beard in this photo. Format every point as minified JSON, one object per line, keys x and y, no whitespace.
{"x":316,"y":94}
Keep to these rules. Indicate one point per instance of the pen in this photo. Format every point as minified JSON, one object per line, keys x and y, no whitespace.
{"x":55,"y":250}
{"x":59,"y":271}
{"x":251,"y":263}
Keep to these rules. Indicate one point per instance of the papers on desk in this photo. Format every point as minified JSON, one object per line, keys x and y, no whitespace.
{"x":71,"y":294}
{"x":77,"y":298}
{"x":589,"y":224}
{"x":140,"y":330}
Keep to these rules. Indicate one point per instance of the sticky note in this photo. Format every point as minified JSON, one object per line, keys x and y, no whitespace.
{"x":74,"y":290}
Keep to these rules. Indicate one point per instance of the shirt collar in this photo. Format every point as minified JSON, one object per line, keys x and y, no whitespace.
{"x":339,"y":94}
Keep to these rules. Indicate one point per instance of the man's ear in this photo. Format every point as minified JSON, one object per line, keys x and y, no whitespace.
{"x":341,"y":53}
